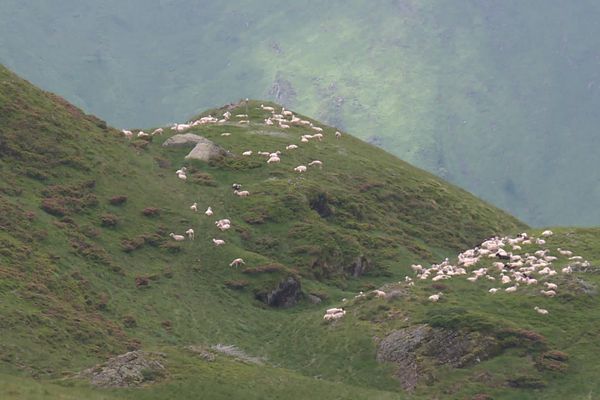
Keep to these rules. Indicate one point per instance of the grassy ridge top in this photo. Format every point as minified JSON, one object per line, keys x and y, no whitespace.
{"x":84,"y":276}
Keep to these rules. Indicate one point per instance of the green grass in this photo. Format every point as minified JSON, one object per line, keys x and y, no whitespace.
{"x":68,"y":294}
{"x":493,"y":97}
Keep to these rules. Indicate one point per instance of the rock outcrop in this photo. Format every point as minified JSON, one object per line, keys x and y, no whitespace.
{"x":286,"y":294}
{"x":413,"y":349}
{"x":204,"y":149}
{"x":129,"y":369}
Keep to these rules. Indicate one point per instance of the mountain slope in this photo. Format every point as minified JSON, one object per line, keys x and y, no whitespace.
{"x":88,"y":270}
{"x":497,"y":98}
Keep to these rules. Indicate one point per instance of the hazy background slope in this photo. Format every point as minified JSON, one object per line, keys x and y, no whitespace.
{"x":498,"y":97}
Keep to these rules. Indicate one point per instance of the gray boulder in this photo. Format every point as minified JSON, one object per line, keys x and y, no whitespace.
{"x":129,"y":369}
{"x":286,"y":294}
{"x":185,"y":139}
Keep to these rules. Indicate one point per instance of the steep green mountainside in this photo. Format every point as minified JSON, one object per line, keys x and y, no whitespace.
{"x":88,"y":270}
{"x":497,"y":97}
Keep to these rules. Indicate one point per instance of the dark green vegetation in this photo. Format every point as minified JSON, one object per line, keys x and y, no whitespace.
{"x":497,"y":97}
{"x":87,"y":269}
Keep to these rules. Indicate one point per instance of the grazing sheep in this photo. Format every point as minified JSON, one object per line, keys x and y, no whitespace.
{"x":183,"y":170}
{"x":551,"y":286}
{"x":283,"y":126}
{"x":178,"y":238}
{"x":300,"y":168}
{"x":304,"y":140}
{"x":318,"y":136}
{"x":183,"y":177}
{"x":435,"y":297}
{"x":142,"y":134}
{"x":547,"y":233}
{"x":567,"y":270}
{"x":225,"y":134}
{"x":291,"y":147}
{"x":194,"y":207}
{"x":226,"y":115}
{"x":158,"y":131}
{"x":190,"y":233}
{"x":266,"y":108}
{"x":241,"y":115}
{"x":540,"y":310}
{"x":316,"y":128}
{"x":493,"y":290}
{"x":242,"y":193}
{"x":548,"y":293}
{"x":316,"y":162}
{"x":512,"y":289}
{"x":268,"y":121}
{"x":338,"y":134}
{"x":208,"y":211}
{"x":237,"y":262}
{"x":127,"y":134}
{"x":244,"y":121}
{"x":218,"y":242}
{"x":247,"y":153}
{"x":273,"y":160}
{"x":379,"y":293}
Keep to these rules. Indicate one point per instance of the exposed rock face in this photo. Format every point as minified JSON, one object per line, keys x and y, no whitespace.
{"x":359,"y":266}
{"x":204,"y":149}
{"x":414,"y":347}
{"x":286,"y":294}
{"x":129,"y":369}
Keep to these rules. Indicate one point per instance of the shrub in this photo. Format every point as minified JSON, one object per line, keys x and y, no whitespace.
{"x":171,"y":247}
{"x":109,"y":220}
{"x":151,"y":211}
{"x":129,"y":245}
{"x":237,"y":284}
{"x":54,"y":206}
{"x":163,"y":162}
{"x":142,"y":281}
{"x":274,"y":267}
{"x":117,"y":200}
{"x":129,"y":321}
{"x":202,"y":178}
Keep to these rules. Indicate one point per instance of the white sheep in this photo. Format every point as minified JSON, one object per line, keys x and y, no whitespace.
{"x":338,"y":134}
{"x":266,"y":108}
{"x":334,"y":310}
{"x":158,"y":131}
{"x":237,"y":262}
{"x":567,"y":270}
{"x":177,"y":238}
{"x":218,"y":242}
{"x":493,"y":290}
{"x":194,"y":207}
{"x":268,"y":121}
{"x":283,"y":126}
{"x":127,"y":134}
{"x":225,"y":134}
{"x":183,"y":177}
{"x":379,"y":293}
{"x":190,"y":233}
{"x":547,"y":233}
{"x":300,"y":168}
{"x":183,"y":170}
{"x":304,"y":140}
{"x":512,"y":289}
{"x":548,"y":293}
{"x":244,"y":121}
{"x":208,"y":211}
{"x":540,"y":310}
{"x":435,"y":297}
{"x":142,"y":134}
{"x":316,"y":128}
{"x":316,"y":162}
{"x":318,"y":136}
{"x":291,"y":147}
{"x":241,"y":115}
{"x":273,"y":160}
{"x":242,"y":193}
{"x":247,"y":153}
{"x":551,"y":286}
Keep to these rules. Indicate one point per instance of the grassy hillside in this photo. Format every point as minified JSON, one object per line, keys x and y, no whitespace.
{"x":88,"y":271}
{"x":498,"y":98}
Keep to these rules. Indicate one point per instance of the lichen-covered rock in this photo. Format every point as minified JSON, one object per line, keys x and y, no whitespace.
{"x":414,"y":347}
{"x":129,"y":369}
{"x":359,"y":266}
{"x":286,"y":294}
